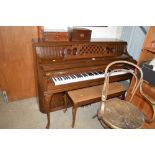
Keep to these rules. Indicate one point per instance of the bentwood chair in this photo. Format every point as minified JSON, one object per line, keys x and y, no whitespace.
{"x":116,"y":113}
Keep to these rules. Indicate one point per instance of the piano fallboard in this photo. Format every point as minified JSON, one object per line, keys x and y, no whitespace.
{"x":50,"y":65}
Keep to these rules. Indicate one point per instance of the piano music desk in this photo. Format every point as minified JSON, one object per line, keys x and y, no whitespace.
{"x":85,"y":96}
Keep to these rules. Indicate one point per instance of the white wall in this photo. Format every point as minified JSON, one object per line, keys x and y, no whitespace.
{"x":98,"y":32}
{"x":135,"y":38}
{"x":105,"y":32}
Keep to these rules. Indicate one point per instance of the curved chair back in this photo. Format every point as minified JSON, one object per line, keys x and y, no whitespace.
{"x":107,"y":75}
{"x":137,"y":85}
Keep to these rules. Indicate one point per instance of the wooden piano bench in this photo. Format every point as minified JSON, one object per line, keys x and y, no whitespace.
{"x":85,"y":96}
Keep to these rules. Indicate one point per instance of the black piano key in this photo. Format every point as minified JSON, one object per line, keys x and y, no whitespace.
{"x":58,"y":79}
{"x":72,"y":76}
{"x":78,"y":75}
{"x":93,"y":73}
{"x":86,"y":74}
{"x":96,"y":73}
{"x":100,"y":72}
{"x":64,"y":78}
{"x":81,"y":75}
{"x":90,"y":74}
{"x":61,"y":78}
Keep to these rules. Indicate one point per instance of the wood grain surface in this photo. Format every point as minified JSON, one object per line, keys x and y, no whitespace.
{"x":16,"y":61}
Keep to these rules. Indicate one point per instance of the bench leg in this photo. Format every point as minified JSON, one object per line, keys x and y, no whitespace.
{"x":122,"y":96}
{"x":48,"y":120}
{"x":74,"y":109}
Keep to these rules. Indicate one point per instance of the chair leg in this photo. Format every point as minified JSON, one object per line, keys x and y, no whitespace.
{"x":74,"y":109}
{"x":48,"y":120}
{"x":94,"y":116}
{"x":104,"y":125}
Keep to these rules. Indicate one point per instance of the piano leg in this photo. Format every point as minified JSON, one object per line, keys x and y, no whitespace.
{"x":48,"y":120}
{"x":48,"y":98}
{"x":65,"y":100}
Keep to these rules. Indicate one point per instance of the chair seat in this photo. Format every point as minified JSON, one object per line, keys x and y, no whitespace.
{"x":121,"y":114}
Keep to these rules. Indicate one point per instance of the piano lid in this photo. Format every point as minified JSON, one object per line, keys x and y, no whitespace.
{"x":37,"y":41}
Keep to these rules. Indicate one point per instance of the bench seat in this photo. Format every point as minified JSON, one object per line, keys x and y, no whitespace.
{"x":89,"y":95}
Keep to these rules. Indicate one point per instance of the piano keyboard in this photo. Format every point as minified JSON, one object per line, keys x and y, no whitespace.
{"x":81,"y":77}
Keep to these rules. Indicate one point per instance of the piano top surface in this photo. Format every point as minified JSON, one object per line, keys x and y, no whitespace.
{"x":39,"y":41}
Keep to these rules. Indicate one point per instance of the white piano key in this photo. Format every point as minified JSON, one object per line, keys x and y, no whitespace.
{"x":64,"y":80}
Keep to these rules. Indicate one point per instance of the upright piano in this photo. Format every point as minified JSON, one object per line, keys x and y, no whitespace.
{"x":63,"y":66}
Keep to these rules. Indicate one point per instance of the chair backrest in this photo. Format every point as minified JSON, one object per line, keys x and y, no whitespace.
{"x":137,"y":85}
{"x":138,"y":82}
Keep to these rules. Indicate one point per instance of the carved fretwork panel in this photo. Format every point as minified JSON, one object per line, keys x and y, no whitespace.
{"x":80,"y":51}
{"x":89,"y":51}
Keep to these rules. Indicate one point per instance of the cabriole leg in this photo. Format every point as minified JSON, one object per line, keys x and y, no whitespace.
{"x":48,"y":120}
{"x":65,"y":100}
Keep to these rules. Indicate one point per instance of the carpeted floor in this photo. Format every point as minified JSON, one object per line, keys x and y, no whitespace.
{"x":24,"y":114}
